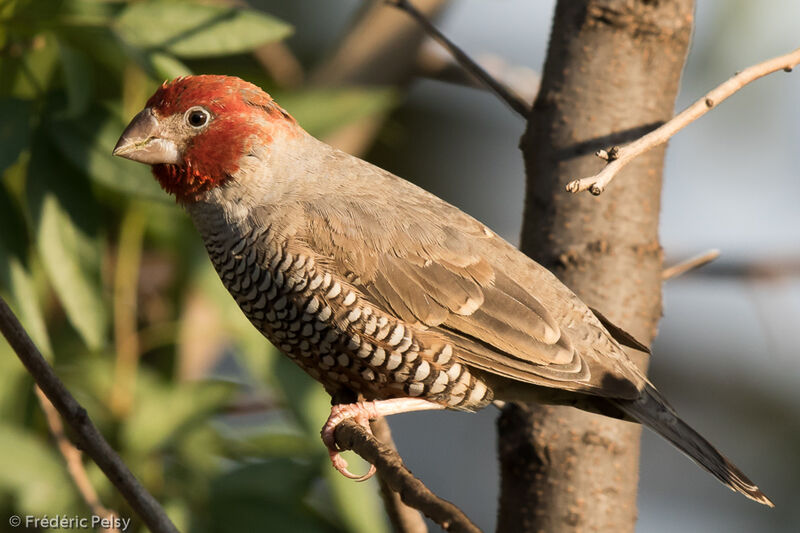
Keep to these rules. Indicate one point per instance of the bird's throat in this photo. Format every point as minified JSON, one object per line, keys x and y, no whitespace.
{"x":185,"y":182}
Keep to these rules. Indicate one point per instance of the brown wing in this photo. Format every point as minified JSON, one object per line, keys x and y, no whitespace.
{"x":619,"y":334}
{"x":432,"y":265}
{"x":494,"y":324}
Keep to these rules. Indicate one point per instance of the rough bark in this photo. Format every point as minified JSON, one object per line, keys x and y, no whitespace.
{"x":404,"y":519}
{"x":612,"y":74}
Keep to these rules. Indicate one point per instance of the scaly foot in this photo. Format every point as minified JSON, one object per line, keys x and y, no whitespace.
{"x":361,"y":413}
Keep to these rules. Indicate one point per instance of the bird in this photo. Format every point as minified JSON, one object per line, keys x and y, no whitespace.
{"x":384,"y":293}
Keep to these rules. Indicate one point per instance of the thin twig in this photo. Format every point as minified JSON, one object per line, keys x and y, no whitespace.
{"x":379,"y":48}
{"x":619,"y":156}
{"x":435,"y":63}
{"x":690,"y":264}
{"x":276,"y":58}
{"x":464,"y":60}
{"x":72,"y":456}
{"x":283,"y":67}
{"x":404,"y":519}
{"x":74,"y":415}
{"x":768,"y":268}
{"x":351,"y":436}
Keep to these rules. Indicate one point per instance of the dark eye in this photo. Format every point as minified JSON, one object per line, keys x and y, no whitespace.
{"x":197,"y":117}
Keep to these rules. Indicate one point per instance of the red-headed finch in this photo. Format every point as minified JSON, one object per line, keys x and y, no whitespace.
{"x":376,"y":288}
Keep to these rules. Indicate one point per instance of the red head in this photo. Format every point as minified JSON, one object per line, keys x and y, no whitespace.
{"x":194,"y":130}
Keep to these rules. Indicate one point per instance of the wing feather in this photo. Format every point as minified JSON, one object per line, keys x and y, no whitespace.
{"x":432,"y":265}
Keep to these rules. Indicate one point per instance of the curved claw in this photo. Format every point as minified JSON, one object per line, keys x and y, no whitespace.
{"x":339,"y":413}
{"x":362,"y":413}
{"x":340,"y":464}
{"x":328,"y":438}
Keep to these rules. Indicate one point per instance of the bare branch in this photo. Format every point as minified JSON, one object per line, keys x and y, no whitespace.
{"x":690,"y":264}
{"x":72,"y":456}
{"x":463,"y":59}
{"x":755,"y":269}
{"x":435,"y":63}
{"x":90,"y":439}
{"x":278,"y":60}
{"x":404,"y":519}
{"x":379,"y":49}
{"x":618,"y":157}
{"x":351,"y":436}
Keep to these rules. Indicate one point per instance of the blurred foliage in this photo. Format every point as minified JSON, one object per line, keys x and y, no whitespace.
{"x":112,"y":282}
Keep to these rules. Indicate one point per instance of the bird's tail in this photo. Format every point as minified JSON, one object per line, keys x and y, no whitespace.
{"x":654,"y":412}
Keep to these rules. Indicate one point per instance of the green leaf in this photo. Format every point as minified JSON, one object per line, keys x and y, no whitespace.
{"x":267,"y":492}
{"x":13,"y":237}
{"x":88,"y":142}
{"x":77,"y":72}
{"x":323,"y":111}
{"x":198,"y":448}
{"x":197,"y":30}
{"x":258,"y":481}
{"x":357,"y":504}
{"x":61,"y":208}
{"x":179,"y":513}
{"x":30,"y":74}
{"x":29,"y":14}
{"x":162,"y":411}
{"x":14,"y":130}
{"x":306,"y":398}
{"x":90,"y":376}
{"x":250,"y":514}
{"x":167,"y":67}
{"x":269,"y":442}
{"x":33,"y":472}
{"x":14,"y":277}
{"x":101,"y":45}
{"x":28,"y":307}
{"x":15,"y":386}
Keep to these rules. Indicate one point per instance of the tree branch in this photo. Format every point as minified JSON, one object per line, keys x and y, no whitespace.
{"x":404,"y":519}
{"x":72,"y":456}
{"x":379,"y":49}
{"x":689,"y":264}
{"x":618,"y":157}
{"x":435,"y":63}
{"x":351,"y":436}
{"x":463,"y":59}
{"x":89,"y":438}
{"x":276,"y":58}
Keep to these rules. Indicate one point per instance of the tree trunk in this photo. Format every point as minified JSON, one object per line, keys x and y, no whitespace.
{"x":612,"y":74}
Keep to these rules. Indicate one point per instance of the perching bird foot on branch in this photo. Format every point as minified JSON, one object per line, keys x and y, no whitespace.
{"x":378,"y":288}
{"x":362,"y":413}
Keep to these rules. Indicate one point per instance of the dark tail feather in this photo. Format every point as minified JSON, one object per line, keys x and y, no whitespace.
{"x":654,"y":412}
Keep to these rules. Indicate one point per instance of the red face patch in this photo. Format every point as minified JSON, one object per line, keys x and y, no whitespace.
{"x":212,"y":155}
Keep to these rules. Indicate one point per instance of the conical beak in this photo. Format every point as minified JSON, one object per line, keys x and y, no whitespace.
{"x":141,"y":141}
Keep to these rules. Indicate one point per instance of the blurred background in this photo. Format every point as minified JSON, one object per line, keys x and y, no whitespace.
{"x":113,"y":284}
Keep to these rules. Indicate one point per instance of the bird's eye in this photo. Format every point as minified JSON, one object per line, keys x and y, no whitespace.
{"x":197,"y":117}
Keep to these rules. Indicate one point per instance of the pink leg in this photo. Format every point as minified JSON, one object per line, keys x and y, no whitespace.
{"x":362,"y":413}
